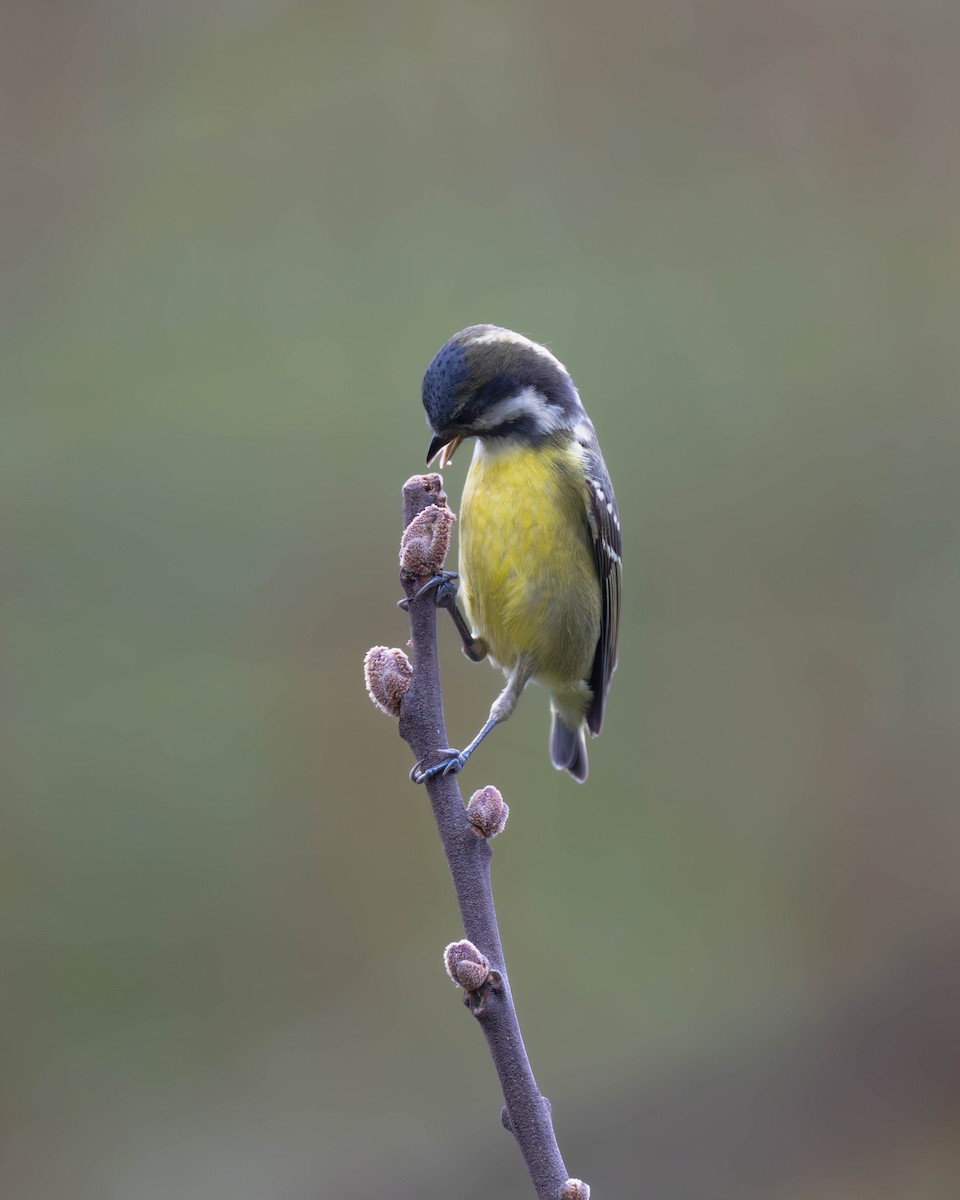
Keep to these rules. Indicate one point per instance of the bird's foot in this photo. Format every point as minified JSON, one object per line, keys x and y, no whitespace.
{"x":444,"y":587}
{"x":450,"y":764}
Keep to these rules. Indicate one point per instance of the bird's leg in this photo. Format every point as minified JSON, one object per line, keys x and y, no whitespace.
{"x":444,"y":587}
{"x":500,"y":710}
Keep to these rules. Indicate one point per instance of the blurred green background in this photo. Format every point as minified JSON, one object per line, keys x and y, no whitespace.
{"x":237,"y":231}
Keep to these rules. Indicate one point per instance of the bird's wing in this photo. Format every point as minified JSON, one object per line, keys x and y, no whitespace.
{"x":604,"y":524}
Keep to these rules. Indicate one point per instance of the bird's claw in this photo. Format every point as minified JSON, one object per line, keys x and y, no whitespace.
{"x":449,"y":765}
{"x":443,"y":585}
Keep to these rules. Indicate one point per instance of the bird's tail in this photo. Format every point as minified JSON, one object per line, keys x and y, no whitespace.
{"x":568,"y":748}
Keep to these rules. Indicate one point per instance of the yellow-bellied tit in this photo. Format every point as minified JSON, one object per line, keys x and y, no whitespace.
{"x":539,"y":534}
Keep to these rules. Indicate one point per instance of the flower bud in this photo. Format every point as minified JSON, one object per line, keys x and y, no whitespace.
{"x":487,"y":812}
{"x":465,"y":965}
{"x":574,"y":1189}
{"x":387,"y":673}
{"x":425,"y":542}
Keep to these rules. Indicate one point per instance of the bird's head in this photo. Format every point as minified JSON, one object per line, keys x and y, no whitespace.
{"x":489,"y":382}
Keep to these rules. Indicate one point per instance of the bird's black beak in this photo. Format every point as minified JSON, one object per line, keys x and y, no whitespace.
{"x":445,"y":446}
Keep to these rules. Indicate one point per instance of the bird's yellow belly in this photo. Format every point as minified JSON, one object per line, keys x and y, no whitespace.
{"x":528,"y":578}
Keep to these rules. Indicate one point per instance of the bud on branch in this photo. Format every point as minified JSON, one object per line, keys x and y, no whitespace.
{"x":466,"y":966}
{"x":387,"y":673}
{"x":425,"y":542}
{"x":487,"y":812}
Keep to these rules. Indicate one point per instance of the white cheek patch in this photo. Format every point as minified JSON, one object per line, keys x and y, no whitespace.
{"x":530,"y":404}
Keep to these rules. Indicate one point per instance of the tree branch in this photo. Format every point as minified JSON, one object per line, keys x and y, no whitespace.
{"x":526,"y":1113}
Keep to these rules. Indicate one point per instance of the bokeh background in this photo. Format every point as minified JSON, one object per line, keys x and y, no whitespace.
{"x":236,"y":232}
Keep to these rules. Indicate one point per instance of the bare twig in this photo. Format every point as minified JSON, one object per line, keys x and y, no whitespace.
{"x":476,"y":963}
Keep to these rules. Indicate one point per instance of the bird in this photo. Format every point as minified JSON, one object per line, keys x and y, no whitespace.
{"x":540,"y":547}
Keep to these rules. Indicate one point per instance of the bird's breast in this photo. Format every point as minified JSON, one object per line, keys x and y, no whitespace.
{"x":528,"y":578}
